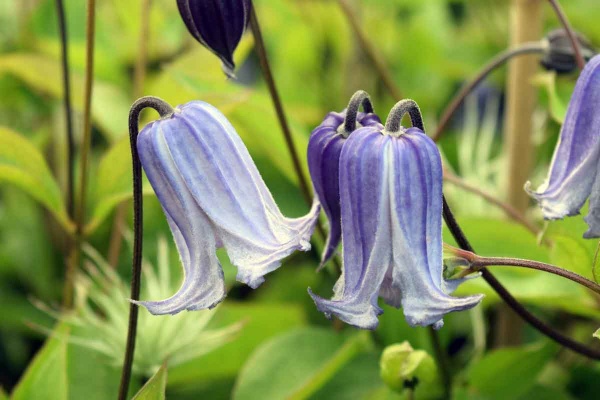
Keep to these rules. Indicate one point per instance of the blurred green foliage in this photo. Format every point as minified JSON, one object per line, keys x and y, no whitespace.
{"x":286,"y":349}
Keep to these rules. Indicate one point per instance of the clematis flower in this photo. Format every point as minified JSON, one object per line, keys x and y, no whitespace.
{"x":213,"y":196}
{"x":218,"y":25}
{"x":391,"y":212}
{"x":573,"y":175}
{"x":324,"y":149}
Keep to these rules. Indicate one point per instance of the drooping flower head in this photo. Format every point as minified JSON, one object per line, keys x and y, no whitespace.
{"x":213,"y":196}
{"x":573,"y":175}
{"x":324,"y":149}
{"x":217,"y":24}
{"x":391,"y":212}
{"x":560,"y":56}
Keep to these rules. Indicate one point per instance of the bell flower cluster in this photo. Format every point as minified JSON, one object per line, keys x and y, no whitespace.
{"x":380,"y":187}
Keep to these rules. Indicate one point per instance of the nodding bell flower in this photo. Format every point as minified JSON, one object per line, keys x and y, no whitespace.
{"x":390,"y":182}
{"x":218,"y":25}
{"x":573,"y":175}
{"x":324,"y":149}
{"x":213,"y":196}
{"x":559,"y":55}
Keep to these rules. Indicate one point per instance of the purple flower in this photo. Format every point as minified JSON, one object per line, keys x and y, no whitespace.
{"x":217,"y":24}
{"x":213,"y":196}
{"x":324,"y":149}
{"x":573,"y":175}
{"x":390,"y":184}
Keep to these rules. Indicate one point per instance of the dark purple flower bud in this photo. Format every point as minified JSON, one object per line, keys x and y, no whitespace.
{"x":217,"y":24}
{"x":560,"y":56}
{"x":390,"y":182}
{"x":324,"y":149}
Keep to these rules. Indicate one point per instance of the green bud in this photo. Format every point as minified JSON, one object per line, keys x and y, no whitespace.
{"x":402,"y":366}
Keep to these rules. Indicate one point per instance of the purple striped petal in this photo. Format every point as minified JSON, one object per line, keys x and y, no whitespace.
{"x":324,"y":149}
{"x":574,"y":167}
{"x":217,"y":24}
{"x":391,"y":212}
{"x":214,"y":196}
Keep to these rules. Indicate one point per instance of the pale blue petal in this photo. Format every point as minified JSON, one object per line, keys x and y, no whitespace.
{"x":576,"y":158}
{"x":417,"y":232}
{"x":203,"y":285}
{"x":391,"y":202}
{"x":224,"y":181}
{"x":365,"y":230}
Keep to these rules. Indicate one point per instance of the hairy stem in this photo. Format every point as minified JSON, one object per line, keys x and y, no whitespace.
{"x":393,"y":124}
{"x":370,"y":50}
{"x":572,"y":37}
{"x":508,"y":298}
{"x":493,"y":64}
{"x":477,"y":263}
{"x":360,"y":98}
{"x":163,"y":110}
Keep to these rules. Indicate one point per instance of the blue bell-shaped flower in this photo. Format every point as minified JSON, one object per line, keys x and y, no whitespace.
{"x":324,"y":149}
{"x":217,"y":24}
{"x":390,"y":184}
{"x":573,"y":175}
{"x":213,"y":196}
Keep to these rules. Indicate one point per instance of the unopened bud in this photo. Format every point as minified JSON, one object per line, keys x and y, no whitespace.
{"x":402,"y":366}
{"x":560,"y":56}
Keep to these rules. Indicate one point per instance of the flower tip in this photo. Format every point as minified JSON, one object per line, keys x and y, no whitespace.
{"x":359,"y":315}
{"x":593,"y":222}
{"x":228,"y":69}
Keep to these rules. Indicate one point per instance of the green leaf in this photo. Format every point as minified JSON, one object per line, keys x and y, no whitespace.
{"x":64,"y":371}
{"x":46,"y":377}
{"x":359,"y":379}
{"x":557,"y":107}
{"x":261,"y":323}
{"x":22,"y":165}
{"x":297,"y":364}
{"x":509,"y":373}
{"x":3,"y":395}
{"x":596,"y":334}
{"x":114,"y":182}
{"x":155,"y":388}
{"x":110,"y":105}
{"x":500,"y":238}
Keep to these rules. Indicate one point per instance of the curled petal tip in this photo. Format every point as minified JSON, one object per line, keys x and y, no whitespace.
{"x":573,"y":174}
{"x":357,"y":314}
